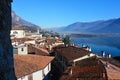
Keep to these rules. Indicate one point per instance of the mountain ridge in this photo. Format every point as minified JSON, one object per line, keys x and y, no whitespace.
{"x":99,"y":26}
{"x":20,"y":23}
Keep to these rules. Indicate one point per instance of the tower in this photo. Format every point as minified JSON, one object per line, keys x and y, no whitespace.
{"x":6,"y":50}
{"x":38,"y":31}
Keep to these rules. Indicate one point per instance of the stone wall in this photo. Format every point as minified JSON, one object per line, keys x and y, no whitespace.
{"x":6,"y":50}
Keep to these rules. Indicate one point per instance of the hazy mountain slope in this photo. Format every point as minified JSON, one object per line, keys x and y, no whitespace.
{"x":18,"y":20}
{"x":113,"y":27}
{"x":82,"y":26}
{"x":21,"y":23}
{"x":102,"y":26}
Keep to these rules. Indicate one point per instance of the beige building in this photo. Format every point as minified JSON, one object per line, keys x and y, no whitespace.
{"x":18,"y":33}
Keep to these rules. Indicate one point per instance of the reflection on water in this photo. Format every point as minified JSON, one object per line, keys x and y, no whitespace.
{"x":98,"y":44}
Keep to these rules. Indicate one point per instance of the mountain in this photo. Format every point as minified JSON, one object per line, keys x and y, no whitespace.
{"x":101,"y":26}
{"x":21,"y":23}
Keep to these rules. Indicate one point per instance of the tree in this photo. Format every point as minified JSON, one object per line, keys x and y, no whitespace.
{"x":67,"y":40}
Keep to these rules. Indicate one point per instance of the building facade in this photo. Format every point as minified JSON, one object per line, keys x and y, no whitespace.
{"x":18,"y":33}
{"x":42,"y":74}
{"x":20,"y":49}
{"x":32,"y":67}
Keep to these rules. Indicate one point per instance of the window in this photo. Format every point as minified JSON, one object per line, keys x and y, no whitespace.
{"x":15,"y":32}
{"x":22,"y":49}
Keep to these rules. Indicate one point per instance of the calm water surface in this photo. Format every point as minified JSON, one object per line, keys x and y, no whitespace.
{"x":98,"y":44}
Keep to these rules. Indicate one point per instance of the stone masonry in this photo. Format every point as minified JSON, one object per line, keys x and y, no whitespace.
{"x":6,"y":50}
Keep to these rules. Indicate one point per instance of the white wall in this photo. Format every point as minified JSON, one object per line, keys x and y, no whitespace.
{"x":25,"y":50}
{"x":37,"y":75}
{"x":23,"y":78}
{"x":46,"y":70}
{"x":21,"y":50}
{"x":37,"y":35}
{"x":31,"y":42}
{"x":18,"y":33}
{"x":84,"y":57}
{"x":49,"y":66}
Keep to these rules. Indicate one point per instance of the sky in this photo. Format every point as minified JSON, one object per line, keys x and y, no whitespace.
{"x":58,"y":13}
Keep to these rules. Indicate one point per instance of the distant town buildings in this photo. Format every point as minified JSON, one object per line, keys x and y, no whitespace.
{"x":33,"y":59}
{"x":17,"y":33}
{"x":31,"y":54}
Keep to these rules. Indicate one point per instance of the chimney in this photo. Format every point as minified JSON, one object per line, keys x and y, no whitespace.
{"x":107,"y":64}
{"x":89,"y":48}
{"x":83,"y":46}
{"x":109,"y":55}
{"x":72,"y":44}
{"x":38,"y":31}
{"x":70,"y":72}
{"x":103,"y":54}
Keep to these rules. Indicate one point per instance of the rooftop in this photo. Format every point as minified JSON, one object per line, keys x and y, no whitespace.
{"x":27,"y":64}
{"x":37,"y":50}
{"x":112,"y":70}
{"x":21,"y":40}
{"x":85,"y":71}
{"x":71,"y":52}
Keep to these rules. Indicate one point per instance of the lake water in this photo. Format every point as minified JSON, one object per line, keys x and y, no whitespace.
{"x":98,"y":44}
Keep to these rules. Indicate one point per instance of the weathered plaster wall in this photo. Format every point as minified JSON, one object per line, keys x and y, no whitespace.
{"x":6,"y":54}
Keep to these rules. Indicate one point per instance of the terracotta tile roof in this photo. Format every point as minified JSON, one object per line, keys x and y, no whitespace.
{"x":87,"y":72}
{"x":92,"y":61}
{"x":50,"y":41}
{"x":113,"y":61}
{"x":112,"y":71}
{"x":16,"y":28}
{"x":36,"y":50}
{"x":27,"y":64}
{"x":21,"y":40}
{"x":53,"y":40}
{"x":71,"y":53}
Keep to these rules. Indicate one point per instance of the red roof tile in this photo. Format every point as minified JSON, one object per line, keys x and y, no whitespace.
{"x":87,"y":72}
{"x":36,"y":50}
{"x":21,"y":40}
{"x":72,"y":53}
{"x":27,"y":64}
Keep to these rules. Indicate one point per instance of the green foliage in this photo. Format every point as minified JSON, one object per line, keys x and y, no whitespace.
{"x":67,"y":40}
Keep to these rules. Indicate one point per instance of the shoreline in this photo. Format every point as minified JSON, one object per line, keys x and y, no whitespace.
{"x":98,"y":44}
{"x":95,"y":34}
